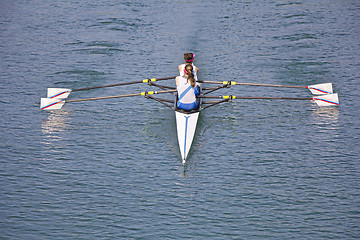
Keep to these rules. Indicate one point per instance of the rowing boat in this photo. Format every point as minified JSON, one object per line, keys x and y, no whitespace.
{"x":186,"y":121}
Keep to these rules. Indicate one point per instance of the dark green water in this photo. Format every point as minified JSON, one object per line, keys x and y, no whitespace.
{"x":111,"y":169}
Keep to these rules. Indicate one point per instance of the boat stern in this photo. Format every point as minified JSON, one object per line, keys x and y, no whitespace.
{"x":186,"y":126}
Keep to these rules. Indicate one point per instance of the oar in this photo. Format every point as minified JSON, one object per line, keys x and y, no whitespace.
{"x":64,"y":92}
{"x":321,"y":101}
{"x":57,"y":103}
{"x":317,"y":89}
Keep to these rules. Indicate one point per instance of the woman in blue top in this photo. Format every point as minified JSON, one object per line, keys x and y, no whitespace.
{"x":187,"y":89}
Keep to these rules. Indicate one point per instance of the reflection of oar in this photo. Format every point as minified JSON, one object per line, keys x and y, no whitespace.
{"x":57,"y":103}
{"x":64,"y":92}
{"x":321,"y":101}
{"x":317,"y":89}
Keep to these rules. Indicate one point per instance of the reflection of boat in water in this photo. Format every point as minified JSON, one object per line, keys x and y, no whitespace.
{"x":325,"y":115}
{"x":54,"y":124}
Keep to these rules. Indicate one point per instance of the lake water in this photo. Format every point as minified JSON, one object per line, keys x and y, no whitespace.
{"x":111,"y":169}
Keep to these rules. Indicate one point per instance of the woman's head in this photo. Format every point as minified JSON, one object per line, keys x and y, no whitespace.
{"x":189,"y":57}
{"x":188,"y":70}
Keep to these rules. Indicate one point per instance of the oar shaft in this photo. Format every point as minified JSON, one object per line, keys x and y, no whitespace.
{"x":107,"y":97}
{"x":270,"y":85}
{"x":253,"y":84}
{"x":126,"y":83}
{"x":111,"y":85}
{"x":121,"y":96}
{"x":273,"y":98}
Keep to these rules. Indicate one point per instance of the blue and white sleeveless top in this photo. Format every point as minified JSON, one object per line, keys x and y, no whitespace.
{"x":186,"y":93}
{"x":182,"y":71}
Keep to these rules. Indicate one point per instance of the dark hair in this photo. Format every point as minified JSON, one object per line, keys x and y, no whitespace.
{"x":189,"y":71}
{"x":188,"y":57}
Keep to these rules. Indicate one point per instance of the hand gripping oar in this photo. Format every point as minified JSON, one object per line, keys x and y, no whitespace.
{"x":321,"y":101}
{"x":317,"y":89}
{"x":65,"y":92}
{"x":57,"y":103}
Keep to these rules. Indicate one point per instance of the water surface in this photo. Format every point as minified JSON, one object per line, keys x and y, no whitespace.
{"x":111,"y":169}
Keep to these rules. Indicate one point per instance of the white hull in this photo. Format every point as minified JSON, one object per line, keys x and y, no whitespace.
{"x":186,"y":127}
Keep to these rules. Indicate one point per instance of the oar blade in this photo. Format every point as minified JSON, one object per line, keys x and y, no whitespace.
{"x":327,"y":100}
{"x":58,"y":92}
{"x":51,"y":104}
{"x":320,"y":89}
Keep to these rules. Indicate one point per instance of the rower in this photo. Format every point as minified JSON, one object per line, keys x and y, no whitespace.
{"x":187,"y":89}
{"x":189,"y":60}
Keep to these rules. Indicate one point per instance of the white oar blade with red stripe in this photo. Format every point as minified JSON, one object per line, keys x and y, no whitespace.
{"x":327,"y":100}
{"x":320,"y":89}
{"x":58,"y":92}
{"x":51,"y":103}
